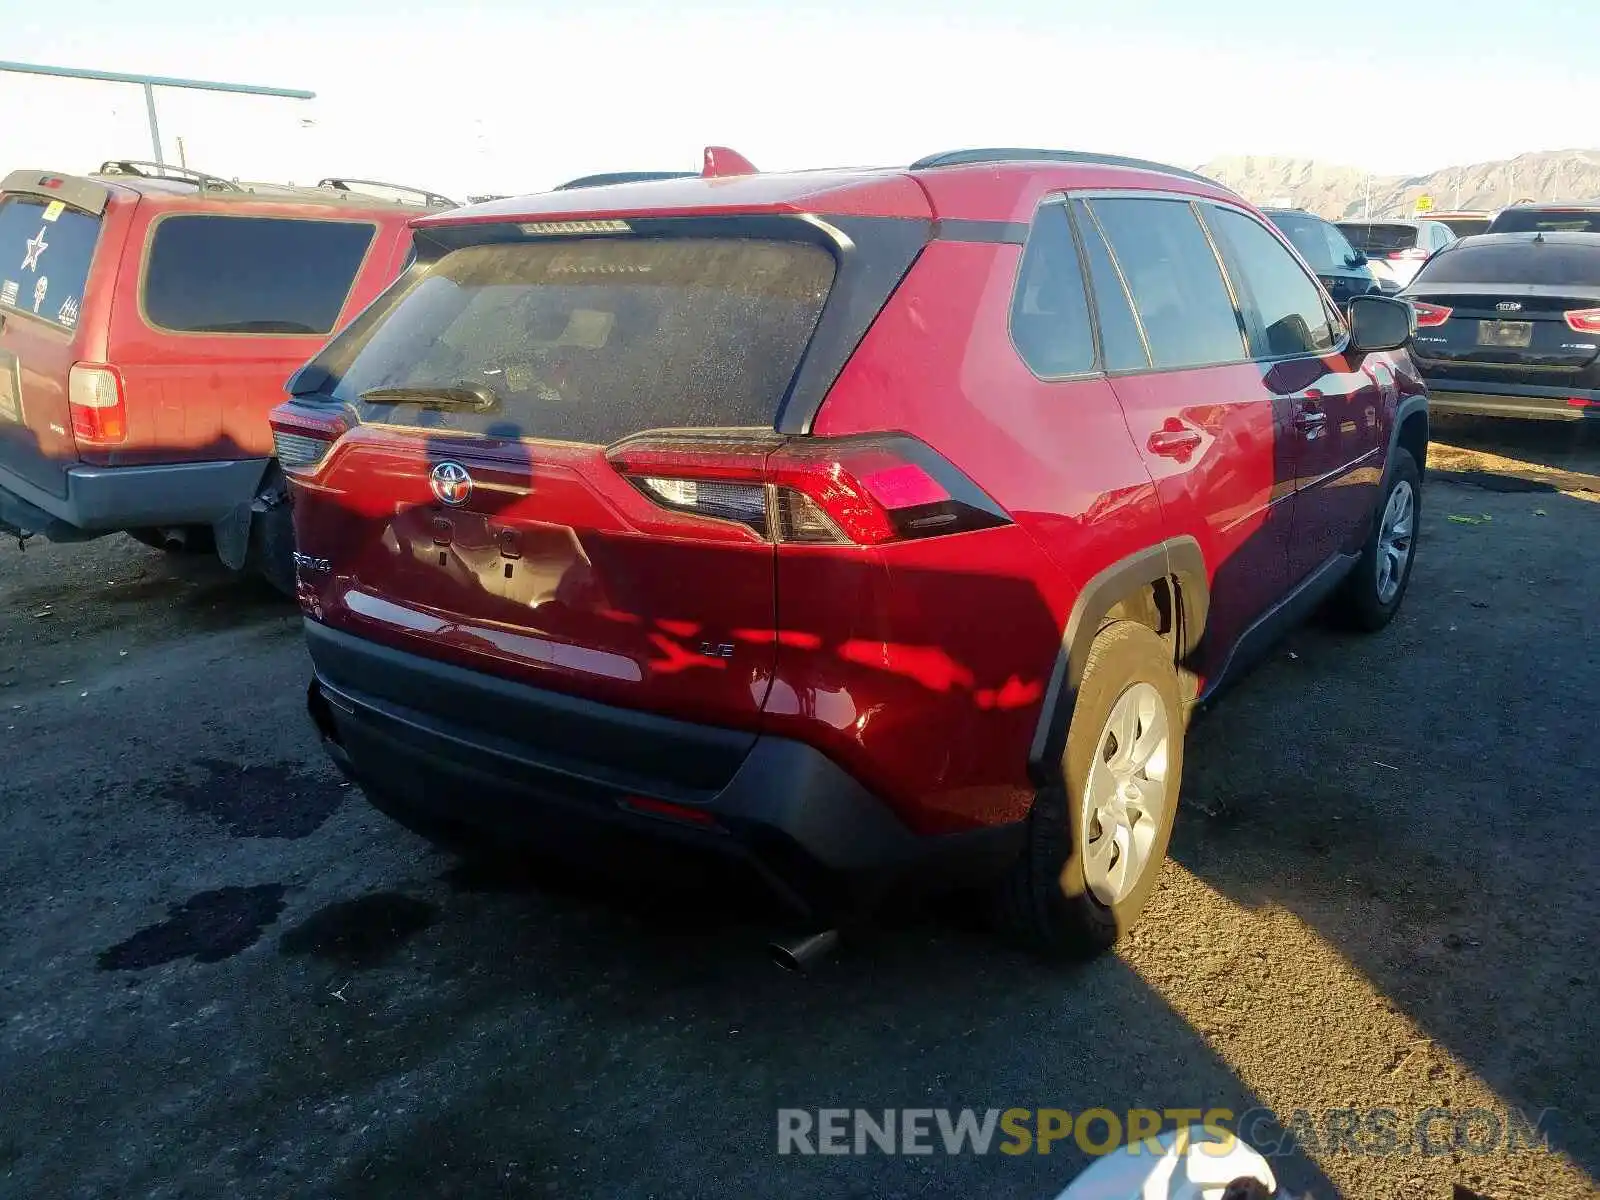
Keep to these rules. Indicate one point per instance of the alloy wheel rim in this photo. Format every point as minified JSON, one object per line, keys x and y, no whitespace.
{"x":1125,"y":797}
{"x":1394,"y":540}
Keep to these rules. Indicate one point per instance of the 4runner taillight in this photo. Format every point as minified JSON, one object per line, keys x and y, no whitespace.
{"x":94,"y":396}
{"x":302,"y":439}
{"x":860,"y":491}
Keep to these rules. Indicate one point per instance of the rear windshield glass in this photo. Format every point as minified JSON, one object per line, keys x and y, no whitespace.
{"x":1465,"y":226}
{"x":1380,"y":239}
{"x":45,"y":249}
{"x":593,"y":339}
{"x":1527,"y":261}
{"x":215,"y":274}
{"x":1532,"y":220}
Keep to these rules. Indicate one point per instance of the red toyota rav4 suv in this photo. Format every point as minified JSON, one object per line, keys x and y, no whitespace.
{"x":148,"y":319}
{"x":863,"y":525}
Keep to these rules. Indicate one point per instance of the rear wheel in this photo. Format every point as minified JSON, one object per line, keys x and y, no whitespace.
{"x":1096,"y":844}
{"x":1371,"y":594}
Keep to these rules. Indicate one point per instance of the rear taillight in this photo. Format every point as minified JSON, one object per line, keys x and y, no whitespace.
{"x":301,"y":439}
{"x":1584,"y":320}
{"x":1412,"y":254}
{"x":95,"y":398}
{"x":835,"y":491}
{"x":1430,"y":315}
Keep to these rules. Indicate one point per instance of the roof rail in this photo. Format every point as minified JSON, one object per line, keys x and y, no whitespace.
{"x":428,"y":198}
{"x":998,"y":154}
{"x":154,"y":170}
{"x":610,"y":177}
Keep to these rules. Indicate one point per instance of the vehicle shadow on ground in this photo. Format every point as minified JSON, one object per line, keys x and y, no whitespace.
{"x":1568,"y":450}
{"x":1436,"y":826}
{"x":680,"y":1032}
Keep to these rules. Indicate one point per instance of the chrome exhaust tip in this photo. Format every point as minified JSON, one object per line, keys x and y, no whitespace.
{"x":801,"y":954}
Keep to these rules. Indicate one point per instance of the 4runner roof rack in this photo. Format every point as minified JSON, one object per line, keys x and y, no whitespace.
{"x":998,"y":154}
{"x":610,"y":177}
{"x":429,"y":199}
{"x":153,"y":170}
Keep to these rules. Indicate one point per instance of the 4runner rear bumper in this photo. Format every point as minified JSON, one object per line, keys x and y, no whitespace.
{"x":102,"y":500}
{"x":440,"y":740}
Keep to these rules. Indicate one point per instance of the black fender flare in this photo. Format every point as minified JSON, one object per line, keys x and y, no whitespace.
{"x":1404,"y":411}
{"x":1177,"y":560}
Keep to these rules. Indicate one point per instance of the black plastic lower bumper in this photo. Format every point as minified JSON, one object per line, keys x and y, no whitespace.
{"x":403,"y":727}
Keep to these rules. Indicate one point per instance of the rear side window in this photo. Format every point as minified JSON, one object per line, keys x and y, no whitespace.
{"x":45,"y":251}
{"x":1050,"y":313}
{"x":1176,"y":284}
{"x":251,"y":275}
{"x":1309,"y":236}
{"x":1548,"y":220}
{"x":588,"y":340}
{"x":1549,"y":264}
{"x":1378,"y":239}
{"x":1290,"y":317}
{"x":1121,"y":343}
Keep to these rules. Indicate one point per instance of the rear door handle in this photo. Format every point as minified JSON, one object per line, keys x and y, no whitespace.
{"x":1174,"y":443}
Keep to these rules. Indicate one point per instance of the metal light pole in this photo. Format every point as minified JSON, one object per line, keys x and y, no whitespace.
{"x":150,"y":83}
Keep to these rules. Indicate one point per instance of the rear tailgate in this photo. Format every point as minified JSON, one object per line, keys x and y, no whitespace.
{"x":47,"y":248}
{"x":504,"y":539}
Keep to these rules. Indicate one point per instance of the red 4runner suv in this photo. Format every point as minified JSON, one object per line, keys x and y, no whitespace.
{"x":148,"y":319}
{"x":867,"y":526}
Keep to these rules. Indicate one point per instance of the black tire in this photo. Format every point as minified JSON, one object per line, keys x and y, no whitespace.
{"x":1045,"y":903}
{"x":1359,"y":604}
{"x":197,"y":539}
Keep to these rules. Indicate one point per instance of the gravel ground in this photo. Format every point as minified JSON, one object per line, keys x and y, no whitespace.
{"x":221,"y":973}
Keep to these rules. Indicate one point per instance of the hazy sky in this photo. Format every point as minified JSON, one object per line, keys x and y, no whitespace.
{"x":507,"y":97}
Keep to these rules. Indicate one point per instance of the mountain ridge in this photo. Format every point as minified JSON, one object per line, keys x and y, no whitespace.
{"x":1343,"y":192}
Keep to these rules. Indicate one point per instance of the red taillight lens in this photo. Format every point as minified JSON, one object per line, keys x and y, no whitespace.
{"x":301,"y":439}
{"x":1412,"y":254}
{"x":95,"y":399}
{"x":1430,"y":315}
{"x":840,"y":491}
{"x":1584,"y":320}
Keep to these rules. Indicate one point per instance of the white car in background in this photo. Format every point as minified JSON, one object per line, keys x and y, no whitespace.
{"x":1396,"y":250}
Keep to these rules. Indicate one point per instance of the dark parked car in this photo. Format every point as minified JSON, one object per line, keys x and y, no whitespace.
{"x":1396,"y":250}
{"x":1508,"y":324}
{"x":1342,"y":268}
{"x":148,"y":319}
{"x":863,"y":526}
{"x":1548,"y":218}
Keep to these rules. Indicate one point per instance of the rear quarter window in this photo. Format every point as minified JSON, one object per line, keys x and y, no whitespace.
{"x":251,"y":275}
{"x":1050,"y":312}
{"x":45,"y":252}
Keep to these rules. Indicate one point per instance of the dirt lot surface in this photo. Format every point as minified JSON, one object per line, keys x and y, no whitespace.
{"x":222,"y":974}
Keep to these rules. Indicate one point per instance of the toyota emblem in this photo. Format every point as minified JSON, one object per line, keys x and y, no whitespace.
{"x":451,"y":484}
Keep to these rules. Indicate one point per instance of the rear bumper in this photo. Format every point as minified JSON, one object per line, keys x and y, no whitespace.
{"x":102,"y":500}
{"x":1502,"y":400}
{"x":439,"y":740}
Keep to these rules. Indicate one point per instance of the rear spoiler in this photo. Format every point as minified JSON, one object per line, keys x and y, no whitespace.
{"x":83,"y":194}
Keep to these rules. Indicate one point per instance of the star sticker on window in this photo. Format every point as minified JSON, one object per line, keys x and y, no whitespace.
{"x":36,"y":246}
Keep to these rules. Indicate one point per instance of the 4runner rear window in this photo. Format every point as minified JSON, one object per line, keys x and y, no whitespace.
{"x":225,"y":274}
{"x":590,"y":340}
{"x":1380,"y":239}
{"x":45,"y":250}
